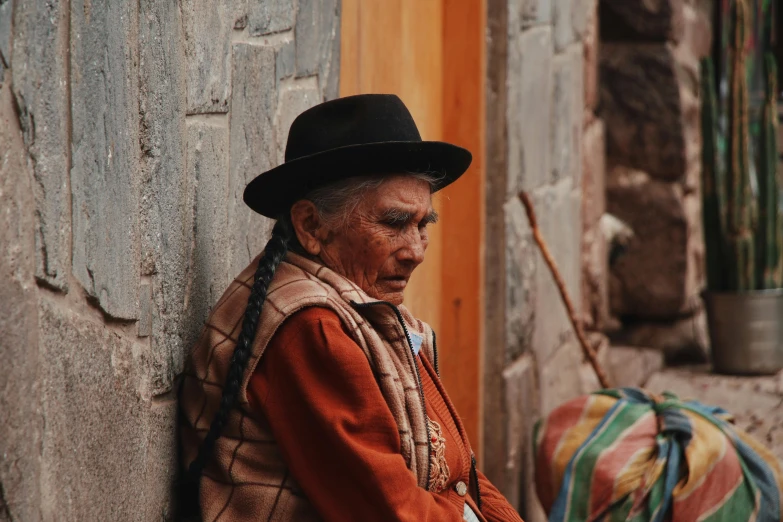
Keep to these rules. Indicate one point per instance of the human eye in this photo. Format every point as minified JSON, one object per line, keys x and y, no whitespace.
{"x":396,"y":220}
{"x":429,"y":219}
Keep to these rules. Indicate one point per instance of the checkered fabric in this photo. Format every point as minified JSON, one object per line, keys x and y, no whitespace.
{"x":246,"y":477}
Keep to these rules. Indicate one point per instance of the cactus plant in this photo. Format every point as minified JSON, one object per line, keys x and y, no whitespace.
{"x":743,"y":231}
{"x":768,"y":233}
{"x":713,"y":180}
{"x":741,"y":266}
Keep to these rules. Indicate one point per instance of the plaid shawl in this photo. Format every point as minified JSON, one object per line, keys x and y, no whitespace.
{"x":628,"y":455}
{"x":247,"y":478}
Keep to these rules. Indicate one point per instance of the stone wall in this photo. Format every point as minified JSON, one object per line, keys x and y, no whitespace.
{"x":650,"y":104}
{"x":595,"y":254}
{"x":128,"y":131}
{"x":542,"y":137}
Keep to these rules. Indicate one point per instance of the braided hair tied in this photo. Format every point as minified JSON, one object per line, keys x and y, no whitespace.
{"x":274,"y":253}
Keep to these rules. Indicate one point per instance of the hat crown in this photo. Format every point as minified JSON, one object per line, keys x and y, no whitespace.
{"x":353,"y":120}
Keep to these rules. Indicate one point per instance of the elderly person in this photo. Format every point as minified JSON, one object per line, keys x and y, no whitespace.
{"x":313,"y":394}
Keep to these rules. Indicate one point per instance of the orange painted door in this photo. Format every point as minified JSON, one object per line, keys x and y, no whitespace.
{"x":430,"y":54}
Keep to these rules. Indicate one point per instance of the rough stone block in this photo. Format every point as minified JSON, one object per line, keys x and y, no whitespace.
{"x":561,"y":376}
{"x":269,"y":16}
{"x":329,"y":79}
{"x":595,"y":279}
{"x":588,"y":377}
{"x":557,"y":211}
{"x":318,"y":43}
{"x":590,"y":62}
{"x":522,"y":403}
{"x":654,"y":277}
{"x":524,"y":13}
{"x":696,"y":42}
{"x":162,"y":464}
{"x":682,"y":339}
{"x":570,"y":19}
{"x":529,"y":100}
{"x":641,"y":106}
{"x":690,"y":104}
{"x":582,"y":11}
{"x":6,"y":19}
{"x":632,"y":367}
{"x":593,"y":174}
{"x":21,"y":423}
{"x":573,"y":232}
{"x":641,"y":21}
{"x":208,"y":167}
{"x":98,"y":420}
{"x":166,"y":206}
{"x":40,"y":50}
{"x":253,"y":148}
{"x":567,"y":111}
{"x":294,"y":99}
{"x":521,"y":254}
{"x":207,"y":26}
{"x":563,"y":30}
{"x":144,"y":326}
{"x":105,"y":153}
{"x":286,"y":60}
{"x":533,"y":511}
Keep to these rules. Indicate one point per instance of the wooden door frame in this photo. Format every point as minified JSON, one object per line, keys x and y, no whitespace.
{"x":463,"y":211}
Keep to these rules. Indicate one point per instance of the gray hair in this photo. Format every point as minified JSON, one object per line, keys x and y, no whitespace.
{"x":336,"y":202}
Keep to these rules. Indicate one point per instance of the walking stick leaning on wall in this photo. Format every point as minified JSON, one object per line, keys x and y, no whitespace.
{"x":588,"y":350}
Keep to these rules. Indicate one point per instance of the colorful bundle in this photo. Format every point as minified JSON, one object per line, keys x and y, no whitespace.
{"x":629,"y":455}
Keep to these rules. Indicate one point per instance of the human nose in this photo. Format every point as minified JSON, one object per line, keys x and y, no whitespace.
{"x":414,"y":248}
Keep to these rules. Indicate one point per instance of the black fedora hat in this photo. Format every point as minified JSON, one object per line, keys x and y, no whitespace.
{"x":357,"y":135}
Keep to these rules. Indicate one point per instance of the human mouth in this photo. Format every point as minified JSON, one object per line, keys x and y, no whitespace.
{"x":396,"y":283}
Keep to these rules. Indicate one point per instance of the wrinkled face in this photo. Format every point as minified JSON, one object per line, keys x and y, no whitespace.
{"x":383,"y":242}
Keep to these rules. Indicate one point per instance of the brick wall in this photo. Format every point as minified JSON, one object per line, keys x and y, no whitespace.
{"x":128,"y":131}
{"x":542,"y":138}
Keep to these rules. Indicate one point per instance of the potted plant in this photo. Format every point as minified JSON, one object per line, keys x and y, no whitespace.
{"x":743,"y":222}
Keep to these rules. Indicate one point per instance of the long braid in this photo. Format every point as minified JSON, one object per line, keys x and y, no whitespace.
{"x":274,"y":253}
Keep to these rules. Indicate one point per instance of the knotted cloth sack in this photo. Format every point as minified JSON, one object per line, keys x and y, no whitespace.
{"x":629,"y":455}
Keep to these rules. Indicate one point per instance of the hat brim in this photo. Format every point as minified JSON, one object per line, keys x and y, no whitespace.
{"x":273,"y":192}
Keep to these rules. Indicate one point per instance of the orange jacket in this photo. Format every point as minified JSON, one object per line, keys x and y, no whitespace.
{"x":339,"y":439}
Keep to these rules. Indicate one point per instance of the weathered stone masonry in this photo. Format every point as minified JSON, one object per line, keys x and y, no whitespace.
{"x":128,"y":131}
{"x":649,"y":62}
{"x":541,"y":89}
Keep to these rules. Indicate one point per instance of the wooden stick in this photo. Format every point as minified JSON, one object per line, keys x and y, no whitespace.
{"x":586,"y":347}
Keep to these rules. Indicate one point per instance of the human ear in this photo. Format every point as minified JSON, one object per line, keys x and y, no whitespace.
{"x":304,"y":217}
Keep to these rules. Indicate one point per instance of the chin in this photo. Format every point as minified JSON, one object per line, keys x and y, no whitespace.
{"x":395,"y":298}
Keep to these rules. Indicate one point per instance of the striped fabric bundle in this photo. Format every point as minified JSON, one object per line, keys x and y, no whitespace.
{"x":628,"y":455}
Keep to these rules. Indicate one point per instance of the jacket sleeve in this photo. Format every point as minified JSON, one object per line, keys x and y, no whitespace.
{"x":494,"y":505}
{"x":333,"y":427}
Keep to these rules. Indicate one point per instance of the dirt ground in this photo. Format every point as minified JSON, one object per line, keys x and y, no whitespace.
{"x":755,"y":402}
